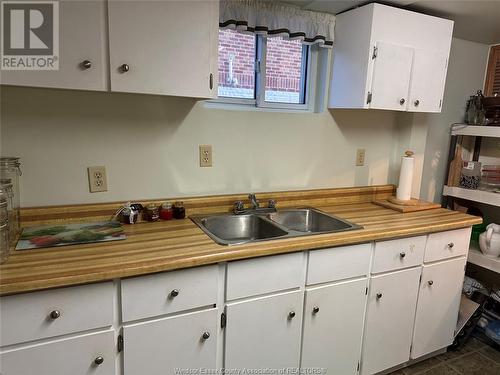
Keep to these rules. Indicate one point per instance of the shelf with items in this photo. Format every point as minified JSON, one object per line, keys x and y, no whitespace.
{"x":481,"y":196}
{"x":479,"y":259}
{"x":475,"y":130}
{"x":466,"y":178}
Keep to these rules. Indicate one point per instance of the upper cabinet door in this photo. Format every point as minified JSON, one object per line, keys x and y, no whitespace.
{"x":164,"y":47}
{"x":427,"y":81}
{"x":391,"y":77}
{"x":82,"y":51}
{"x":438,"y":304}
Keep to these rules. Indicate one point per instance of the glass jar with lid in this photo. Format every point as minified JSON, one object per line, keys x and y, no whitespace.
{"x":4,"y":228}
{"x":9,"y":175}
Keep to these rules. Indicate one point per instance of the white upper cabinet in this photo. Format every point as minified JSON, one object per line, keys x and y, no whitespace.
{"x":389,"y":58}
{"x":82,"y":51}
{"x":164,"y":47}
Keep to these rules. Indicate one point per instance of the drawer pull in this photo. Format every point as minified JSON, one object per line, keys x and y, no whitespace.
{"x":315,"y":309}
{"x":379,"y":295}
{"x":402,"y":254}
{"x":174,"y":293}
{"x":450,"y":245}
{"x":86,"y":64}
{"x":205,"y":336}
{"x":430,"y":282}
{"x":98,"y":360}
{"x":55,"y":314}
{"x":124,"y":68}
{"x":291,"y":315}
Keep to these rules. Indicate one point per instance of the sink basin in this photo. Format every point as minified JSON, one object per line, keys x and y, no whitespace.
{"x":234,"y":229}
{"x":231,"y":229}
{"x":311,"y":221}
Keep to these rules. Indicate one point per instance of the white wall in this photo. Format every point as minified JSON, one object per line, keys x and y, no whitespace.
{"x":466,"y":70}
{"x":149,"y":145}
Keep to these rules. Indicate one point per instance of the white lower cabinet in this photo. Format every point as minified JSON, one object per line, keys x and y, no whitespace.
{"x":169,"y":345}
{"x":389,"y":321}
{"x":438,"y":304}
{"x":264,"y":332}
{"x":333,"y":327}
{"x":81,"y":355}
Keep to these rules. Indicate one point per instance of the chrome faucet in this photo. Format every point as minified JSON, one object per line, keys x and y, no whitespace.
{"x":239,"y":206}
{"x":253,"y":201}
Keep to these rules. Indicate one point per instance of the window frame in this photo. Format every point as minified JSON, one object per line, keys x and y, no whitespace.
{"x":309,"y":72}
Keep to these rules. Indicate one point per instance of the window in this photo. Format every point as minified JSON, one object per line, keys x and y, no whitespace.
{"x":264,"y":72}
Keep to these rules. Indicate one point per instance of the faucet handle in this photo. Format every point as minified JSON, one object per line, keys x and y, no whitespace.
{"x":271,"y":203}
{"x":238,"y":206}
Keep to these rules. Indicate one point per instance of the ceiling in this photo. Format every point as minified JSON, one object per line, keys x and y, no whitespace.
{"x":475,"y":20}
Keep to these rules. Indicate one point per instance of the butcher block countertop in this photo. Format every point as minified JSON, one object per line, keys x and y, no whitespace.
{"x":175,"y":244}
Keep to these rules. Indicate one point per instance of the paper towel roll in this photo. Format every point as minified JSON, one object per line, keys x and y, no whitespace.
{"x":405,"y":177}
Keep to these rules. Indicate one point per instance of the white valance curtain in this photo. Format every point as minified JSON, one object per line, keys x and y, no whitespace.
{"x":272,"y":18}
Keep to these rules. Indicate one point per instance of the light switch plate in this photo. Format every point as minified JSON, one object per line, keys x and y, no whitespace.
{"x":97,"y":179}
{"x":205,"y":155}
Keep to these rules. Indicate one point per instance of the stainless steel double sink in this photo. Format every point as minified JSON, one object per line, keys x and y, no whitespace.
{"x":231,"y":229}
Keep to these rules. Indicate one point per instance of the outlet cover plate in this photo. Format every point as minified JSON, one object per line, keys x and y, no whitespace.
{"x":97,"y":179}
{"x":360,"y":157}
{"x":205,"y":155}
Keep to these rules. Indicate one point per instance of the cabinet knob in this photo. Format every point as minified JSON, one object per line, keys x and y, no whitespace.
{"x":402,"y":254}
{"x":55,"y":314}
{"x":450,"y":245}
{"x":174,"y":293}
{"x":86,"y":64}
{"x":430,"y":282}
{"x":291,"y":315}
{"x":99,"y":360}
{"x":416,"y":102}
{"x":205,"y":336}
{"x":124,"y":68}
{"x":315,"y":309}
{"x":379,"y":295}
{"x":211,"y":81}
{"x":402,"y":101}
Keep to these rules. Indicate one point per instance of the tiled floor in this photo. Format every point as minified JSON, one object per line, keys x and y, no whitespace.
{"x":475,"y":358}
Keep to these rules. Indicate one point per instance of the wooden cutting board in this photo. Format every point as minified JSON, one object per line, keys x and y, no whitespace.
{"x":416,"y":205}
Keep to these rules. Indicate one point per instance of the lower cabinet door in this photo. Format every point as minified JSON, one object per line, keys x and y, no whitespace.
{"x":333,"y":327}
{"x":438,"y":305}
{"x":264,"y":332}
{"x":86,"y":354}
{"x":390,"y":315}
{"x":171,"y":345}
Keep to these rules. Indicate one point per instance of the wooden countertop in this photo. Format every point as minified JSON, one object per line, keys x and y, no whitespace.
{"x":169,"y":245}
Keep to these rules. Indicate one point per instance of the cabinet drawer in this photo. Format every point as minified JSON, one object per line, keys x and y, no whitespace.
{"x":398,"y":254}
{"x":168,"y":292}
{"x":338,"y":263}
{"x":76,"y":355}
{"x":447,"y":244}
{"x":38,"y":315}
{"x":264,"y":275}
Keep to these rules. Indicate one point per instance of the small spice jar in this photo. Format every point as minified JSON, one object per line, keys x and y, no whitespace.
{"x":166,"y":211}
{"x":179,"y":210}
{"x":151,"y":213}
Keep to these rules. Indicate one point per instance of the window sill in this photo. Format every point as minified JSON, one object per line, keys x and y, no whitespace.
{"x":218,"y":104}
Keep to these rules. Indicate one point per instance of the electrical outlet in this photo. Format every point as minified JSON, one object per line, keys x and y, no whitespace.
{"x":97,"y":179}
{"x":205,"y":155}
{"x":360,"y":157}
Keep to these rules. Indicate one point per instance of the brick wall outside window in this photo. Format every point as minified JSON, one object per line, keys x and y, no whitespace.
{"x":283,"y":66}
